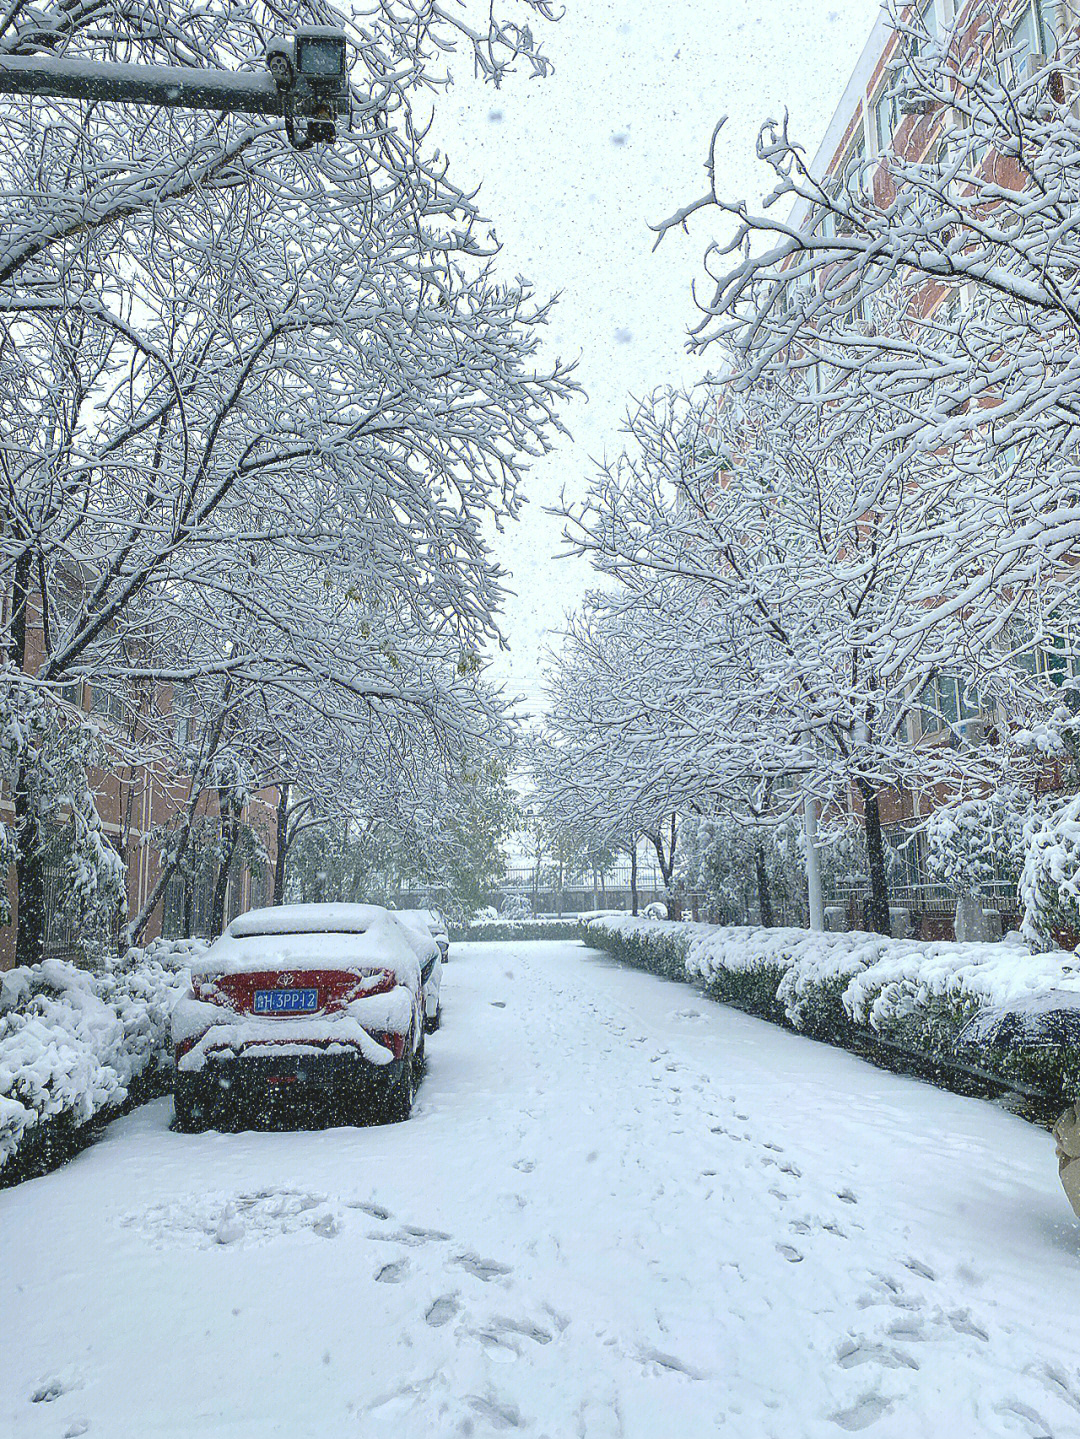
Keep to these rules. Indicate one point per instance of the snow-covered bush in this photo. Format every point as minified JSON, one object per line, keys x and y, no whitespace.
{"x":516,"y":907}
{"x":849,"y":989}
{"x":1050,"y":880}
{"x":75,"y":1042}
{"x":978,"y":842}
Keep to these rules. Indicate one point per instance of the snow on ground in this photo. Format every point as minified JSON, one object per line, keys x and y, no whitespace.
{"x":619,"y":1210}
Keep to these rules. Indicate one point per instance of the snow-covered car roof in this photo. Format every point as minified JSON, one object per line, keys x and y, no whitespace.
{"x":429,"y":919}
{"x":327,"y":936}
{"x":308,"y":919}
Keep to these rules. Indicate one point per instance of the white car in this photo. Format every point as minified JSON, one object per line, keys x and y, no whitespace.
{"x":305,"y":1002}
{"x":430,"y":924}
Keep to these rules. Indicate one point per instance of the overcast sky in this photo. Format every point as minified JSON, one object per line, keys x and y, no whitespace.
{"x":572,"y":171}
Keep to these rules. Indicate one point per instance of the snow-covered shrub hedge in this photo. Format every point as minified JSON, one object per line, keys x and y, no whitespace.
{"x":77,"y":1042}
{"x":510,"y":929}
{"x":850,"y":988}
{"x":1050,"y":881}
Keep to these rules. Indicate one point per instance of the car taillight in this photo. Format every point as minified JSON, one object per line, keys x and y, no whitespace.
{"x":395,"y":1043}
{"x":382,"y":981}
{"x":209,"y":993}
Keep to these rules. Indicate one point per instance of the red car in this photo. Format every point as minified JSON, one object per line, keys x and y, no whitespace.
{"x":302,"y":1004}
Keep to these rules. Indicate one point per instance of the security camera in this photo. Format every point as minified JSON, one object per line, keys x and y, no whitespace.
{"x":320,"y":61}
{"x":312,"y":77}
{"x":280,"y":61}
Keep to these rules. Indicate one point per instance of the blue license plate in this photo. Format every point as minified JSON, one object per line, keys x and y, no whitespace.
{"x":286,"y":1001}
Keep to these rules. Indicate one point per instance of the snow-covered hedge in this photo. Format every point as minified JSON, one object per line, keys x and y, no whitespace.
{"x":76,"y":1042}
{"x":848,"y":988}
{"x":511,"y":929}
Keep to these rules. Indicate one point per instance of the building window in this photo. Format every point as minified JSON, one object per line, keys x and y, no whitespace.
{"x":1035,"y":30}
{"x":886,"y":109}
{"x":1047,"y":26}
{"x":1050,"y":657}
{"x":184,"y":716}
{"x":928,"y":21}
{"x":944,"y":704}
{"x":109,"y":703}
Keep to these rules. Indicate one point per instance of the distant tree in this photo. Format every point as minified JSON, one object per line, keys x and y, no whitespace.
{"x":793,"y":628}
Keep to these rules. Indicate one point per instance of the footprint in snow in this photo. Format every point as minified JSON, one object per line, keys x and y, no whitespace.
{"x":498,"y":1004}
{"x":669,"y":1362}
{"x":416,"y":1232}
{"x":47,"y":1392}
{"x":864,"y":1412}
{"x":499,"y":1413}
{"x":445,"y":1308}
{"x":393,"y":1273}
{"x":375,"y":1210}
{"x":524,"y":1327}
{"x":918,"y":1267}
{"x":54,"y":1385}
{"x":485,"y":1269}
{"x":962,"y":1322}
{"x":790,"y":1253}
{"x":847,"y":1196}
{"x":853,"y":1353}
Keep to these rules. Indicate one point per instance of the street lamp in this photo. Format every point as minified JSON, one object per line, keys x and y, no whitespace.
{"x":307,"y":84}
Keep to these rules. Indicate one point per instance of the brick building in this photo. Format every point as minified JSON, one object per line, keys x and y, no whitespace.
{"x":134,"y":800}
{"x":879,"y":114}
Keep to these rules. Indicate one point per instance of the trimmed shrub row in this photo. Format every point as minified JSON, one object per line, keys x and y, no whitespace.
{"x":510,"y":929}
{"x":902,"y":1002}
{"x":78,"y":1047}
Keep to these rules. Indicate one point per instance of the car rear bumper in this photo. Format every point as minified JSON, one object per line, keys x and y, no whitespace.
{"x":230,"y":1081}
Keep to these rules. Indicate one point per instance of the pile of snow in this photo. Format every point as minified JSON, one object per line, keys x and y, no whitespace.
{"x":72,"y":1041}
{"x":824,"y":983}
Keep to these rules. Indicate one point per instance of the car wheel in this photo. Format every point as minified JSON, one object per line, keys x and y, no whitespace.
{"x":400,"y":1100}
{"x":432,"y":1022}
{"x":191,"y":1113}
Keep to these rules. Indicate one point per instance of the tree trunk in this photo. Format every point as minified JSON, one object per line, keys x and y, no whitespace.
{"x":667,"y":868}
{"x":764,"y":900}
{"x":875,"y":853}
{"x":230,"y":834}
{"x":633,"y":881}
{"x":30,"y":915}
{"x":674,"y":905}
{"x":170,"y":866}
{"x":29,"y":874}
{"x":282,"y":852}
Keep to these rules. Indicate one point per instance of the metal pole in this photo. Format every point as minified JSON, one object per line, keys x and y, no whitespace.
{"x":253,"y":92}
{"x":813,"y":868}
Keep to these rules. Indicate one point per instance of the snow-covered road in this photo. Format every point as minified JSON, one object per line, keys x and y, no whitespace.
{"x":619,"y":1210}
